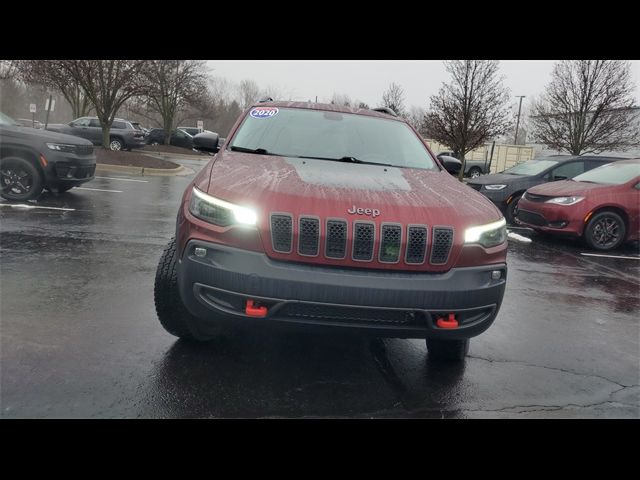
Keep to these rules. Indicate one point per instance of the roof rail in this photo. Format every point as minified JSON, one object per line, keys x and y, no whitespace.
{"x":265,"y":99}
{"x":385,"y":110}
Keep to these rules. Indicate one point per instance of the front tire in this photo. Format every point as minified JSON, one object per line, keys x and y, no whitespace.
{"x":512,"y":210}
{"x":173,"y":315}
{"x":605,"y":231}
{"x":474,"y":172}
{"x":447,"y":350}
{"x":19,"y":179}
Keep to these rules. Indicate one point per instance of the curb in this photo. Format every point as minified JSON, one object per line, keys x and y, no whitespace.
{"x":143,"y":171}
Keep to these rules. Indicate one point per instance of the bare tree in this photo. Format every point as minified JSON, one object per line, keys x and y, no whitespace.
{"x":171,"y":85}
{"x":107,"y":84}
{"x":393,"y":98}
{"x":469,"y":110}
{"x":8,"y":69}
{"x":341,"y":99}
{"x":248,"y":93}
{"x":51,"y":74}
{"x":586,"y":108}
{"x":415,"y":117}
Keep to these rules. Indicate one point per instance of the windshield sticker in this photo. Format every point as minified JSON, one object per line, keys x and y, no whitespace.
{"x":264,"y":112}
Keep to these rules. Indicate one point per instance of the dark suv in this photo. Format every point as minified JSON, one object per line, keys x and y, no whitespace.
{"x":179,"y":138}
{"x":506,"y":188}
{"x":32,"y":159}
{"x":323,"y":216}
{"x":122,"y":136}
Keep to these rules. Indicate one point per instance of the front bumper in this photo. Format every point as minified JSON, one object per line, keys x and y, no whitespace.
{"x":563,"y":220}
{"x":65,"y":169}
{"x":216,"y":287}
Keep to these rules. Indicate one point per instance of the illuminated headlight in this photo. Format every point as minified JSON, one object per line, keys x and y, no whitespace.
{"x":488,"y":235}
{"x":219,"y":212}
{"x":494,"y":187}
{"x":565,"y":200}
{"x":61,"y":147}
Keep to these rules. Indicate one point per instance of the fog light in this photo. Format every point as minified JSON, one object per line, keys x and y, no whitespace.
{"x":200,"y":252}
{"x":496,"y":274}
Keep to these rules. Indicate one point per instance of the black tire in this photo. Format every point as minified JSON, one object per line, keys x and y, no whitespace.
{"x":447,"y":350}
{"x":512,"y":209}
{"x":173,"y":315}
{"x":474,"y":172}
{"x":116,"y":144}
{"x":20,"y":179}
{"x":605,"y":231}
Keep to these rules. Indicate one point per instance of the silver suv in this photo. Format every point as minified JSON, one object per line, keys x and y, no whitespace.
{"x":122,"y":136}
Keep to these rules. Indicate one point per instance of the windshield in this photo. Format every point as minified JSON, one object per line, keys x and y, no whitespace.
{"x":7,"y":120}
{"x":611,"y":174}
{"x":530,"y":167}
{"x":296,"y":132}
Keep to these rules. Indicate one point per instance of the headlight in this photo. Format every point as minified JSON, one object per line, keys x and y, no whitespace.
{"x":565,"y":200}
{"x":219,"y":212}
{"x":494,"y":187}
{"x":61,"y":147}
{"x":488,"y":235}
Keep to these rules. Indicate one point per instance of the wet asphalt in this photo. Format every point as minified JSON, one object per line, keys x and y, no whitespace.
{"x":80,"y":338}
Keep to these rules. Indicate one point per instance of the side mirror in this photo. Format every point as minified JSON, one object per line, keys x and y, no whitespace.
{"x":450,"y":164}
{"x":207,"y":142}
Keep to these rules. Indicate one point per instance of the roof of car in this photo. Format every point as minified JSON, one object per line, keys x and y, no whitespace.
{"x":328,"y":107}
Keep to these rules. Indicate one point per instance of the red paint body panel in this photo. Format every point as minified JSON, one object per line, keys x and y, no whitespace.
{"x":623,"y":197}
{"x":326,"y":189}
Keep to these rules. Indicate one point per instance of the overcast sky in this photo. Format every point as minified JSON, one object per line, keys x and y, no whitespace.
{"x":366,"y":80}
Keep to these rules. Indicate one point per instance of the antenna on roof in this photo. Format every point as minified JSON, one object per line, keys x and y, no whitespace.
{"x":265,"y":99}
{"x":385,"y":110}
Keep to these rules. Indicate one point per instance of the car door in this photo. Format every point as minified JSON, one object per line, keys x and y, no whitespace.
{"x":566,"y":170}
{"x":95,"y":131}
{"x":181,"y":139}
{"x":80,"y":128}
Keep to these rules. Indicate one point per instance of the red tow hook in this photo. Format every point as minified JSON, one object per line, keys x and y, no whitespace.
{"x":254,"y":310}
{"x":450,"y":322}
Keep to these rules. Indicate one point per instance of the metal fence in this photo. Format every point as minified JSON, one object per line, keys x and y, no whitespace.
{"x":504,"y":156}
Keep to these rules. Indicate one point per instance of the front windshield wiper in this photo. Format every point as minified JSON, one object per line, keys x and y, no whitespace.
{"x":259,"y":151}
{"x":347,"y":159}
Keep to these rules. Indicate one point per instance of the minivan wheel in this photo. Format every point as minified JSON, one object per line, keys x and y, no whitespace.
{"x":19,"y":179}
{"x":173,"y":315}
{"x":448,"y":350}
{"x":115,"y":144}
{"x":605,"y":231}
{"x":474,"y":172}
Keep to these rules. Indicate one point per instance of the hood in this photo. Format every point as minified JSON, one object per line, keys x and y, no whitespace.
{"x":44,"y":135}
{"x":565,"y":188}
{"x":498,"y":178}
{"x":327,"y":189}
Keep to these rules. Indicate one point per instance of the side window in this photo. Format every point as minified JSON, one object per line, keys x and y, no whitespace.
{"x":180,"y":134}
{"x":95,"y":123}
{"x":568,"y":170}
{"x":81,"y":122}
{"x":118,"y":125}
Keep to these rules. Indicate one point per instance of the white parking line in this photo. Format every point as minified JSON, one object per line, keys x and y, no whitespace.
{"x":609,"y":256}
{"x":98,"y":190}
{"x":13,"y":205}
{"x":125,"y":179}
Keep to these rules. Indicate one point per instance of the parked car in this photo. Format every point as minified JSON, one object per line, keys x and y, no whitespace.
{"x":137,"y":126}
{"x":472,"y":168}
{"x":179,"y":138}
{"x":315,"y":215}
{"x":27,"y":122}
{"x":505,"y":189}
{"x":31,"y":160}
{"x":193,"y":131}
{"x":122,"y":135}
{"x":602,"y":206}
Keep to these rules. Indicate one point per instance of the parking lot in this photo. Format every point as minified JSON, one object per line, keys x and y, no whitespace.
{"x":80,"y":337}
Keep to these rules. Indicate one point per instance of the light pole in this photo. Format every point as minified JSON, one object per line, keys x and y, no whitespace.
{"x":515,"y":140}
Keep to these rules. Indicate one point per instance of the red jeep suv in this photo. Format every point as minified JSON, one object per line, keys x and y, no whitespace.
{"x":327,"y":216}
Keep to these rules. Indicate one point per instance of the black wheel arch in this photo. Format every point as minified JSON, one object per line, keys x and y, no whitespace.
{"x":27,"y":153}
{"x":610,"y":208}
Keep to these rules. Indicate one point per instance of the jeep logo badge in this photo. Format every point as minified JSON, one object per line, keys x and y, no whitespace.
{"x":374,"y":212}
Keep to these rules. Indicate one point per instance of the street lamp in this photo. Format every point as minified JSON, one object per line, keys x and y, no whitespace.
{"x":515,"y":141}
